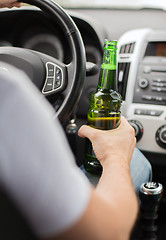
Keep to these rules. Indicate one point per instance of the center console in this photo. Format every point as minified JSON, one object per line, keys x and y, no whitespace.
{"x":142,"y":84}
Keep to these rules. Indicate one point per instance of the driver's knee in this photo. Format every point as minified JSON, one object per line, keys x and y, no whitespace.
{"x":140,"y":168}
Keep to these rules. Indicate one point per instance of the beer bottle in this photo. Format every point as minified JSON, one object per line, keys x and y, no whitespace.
{"x":104,"y":104}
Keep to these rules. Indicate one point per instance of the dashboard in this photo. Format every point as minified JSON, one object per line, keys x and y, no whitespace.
{"x":142,"y":83}
{"x":31,"y":28}
{"x":141,"y":61}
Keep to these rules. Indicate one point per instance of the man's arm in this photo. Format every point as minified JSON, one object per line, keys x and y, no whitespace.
{"x":113,"y":206}
{"x":38,"y":172}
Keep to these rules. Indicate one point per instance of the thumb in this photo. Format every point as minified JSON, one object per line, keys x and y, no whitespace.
{"x":86,"y":131}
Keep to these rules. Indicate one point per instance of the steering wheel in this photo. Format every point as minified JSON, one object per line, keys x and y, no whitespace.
{"x":50,"y":75}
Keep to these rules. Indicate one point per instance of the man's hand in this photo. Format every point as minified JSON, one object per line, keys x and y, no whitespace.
{"x":111,"y":144}
{"x":10,"y":3}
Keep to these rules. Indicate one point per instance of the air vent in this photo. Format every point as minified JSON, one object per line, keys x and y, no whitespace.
{"x":123,"y":72}
{"x":127,"y":48}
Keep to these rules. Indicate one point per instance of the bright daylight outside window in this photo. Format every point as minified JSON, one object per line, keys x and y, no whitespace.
{"x":133,"y":4}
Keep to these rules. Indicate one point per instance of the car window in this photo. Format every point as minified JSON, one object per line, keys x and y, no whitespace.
{"x":119,"y":4}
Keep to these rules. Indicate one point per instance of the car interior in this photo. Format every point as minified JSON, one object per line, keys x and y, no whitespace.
{"x":38,"y":39}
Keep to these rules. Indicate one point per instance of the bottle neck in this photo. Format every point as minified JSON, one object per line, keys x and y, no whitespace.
{"x":107,"y":77}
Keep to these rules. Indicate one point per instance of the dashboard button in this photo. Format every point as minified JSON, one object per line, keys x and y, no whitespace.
{"x":155,"y":113}
{"x":147,"y":69}
{"x":158,"y":80}
{"x":159,"y":99}
{"x":158,"y":89}
{"x":147,"y":97}
{"x":143,"y":83}
{"x":159,"y":84}
{"x":140,"y":111}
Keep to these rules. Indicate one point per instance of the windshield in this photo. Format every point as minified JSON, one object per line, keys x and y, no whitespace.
{"x":121,"y":4}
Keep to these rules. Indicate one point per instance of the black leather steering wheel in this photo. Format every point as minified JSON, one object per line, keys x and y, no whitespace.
{"x":50,"y":75}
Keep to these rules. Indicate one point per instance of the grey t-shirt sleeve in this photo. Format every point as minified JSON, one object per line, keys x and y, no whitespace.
{"x":37,"y":167}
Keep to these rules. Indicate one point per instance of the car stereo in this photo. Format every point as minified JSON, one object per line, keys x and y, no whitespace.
{"x":142,"y":84}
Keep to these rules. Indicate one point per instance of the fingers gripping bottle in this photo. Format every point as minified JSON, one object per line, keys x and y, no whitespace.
{"x":104,"y":104}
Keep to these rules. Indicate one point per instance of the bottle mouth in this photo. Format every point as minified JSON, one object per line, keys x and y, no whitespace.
{"x":110,"y":44}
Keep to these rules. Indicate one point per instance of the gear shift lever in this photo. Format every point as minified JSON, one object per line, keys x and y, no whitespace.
{"x":150,"y":196}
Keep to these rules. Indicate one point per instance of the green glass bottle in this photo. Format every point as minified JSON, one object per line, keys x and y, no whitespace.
{"x":104,"y":104}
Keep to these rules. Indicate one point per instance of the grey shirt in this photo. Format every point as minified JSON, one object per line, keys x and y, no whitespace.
{"x":37,"y":167}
